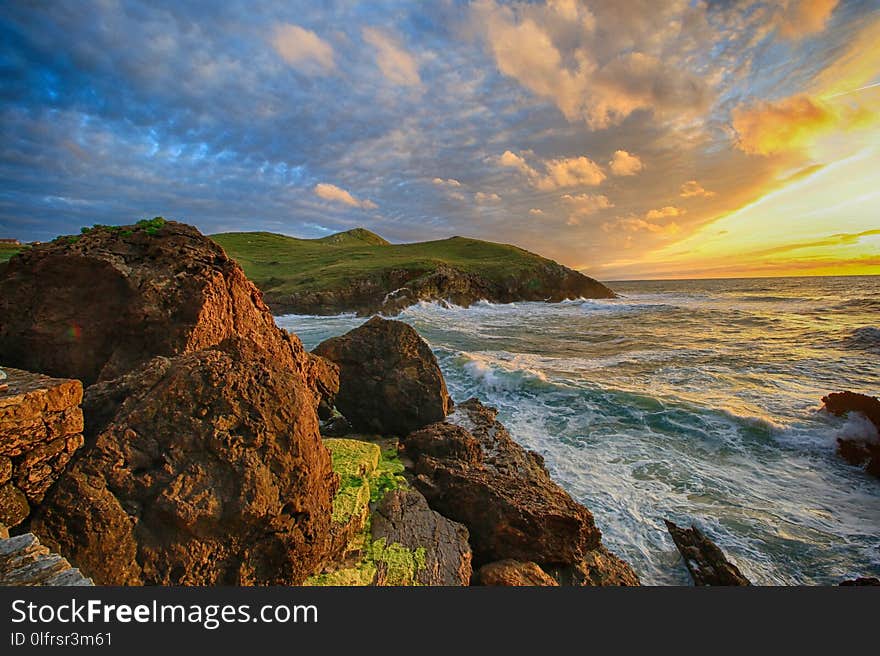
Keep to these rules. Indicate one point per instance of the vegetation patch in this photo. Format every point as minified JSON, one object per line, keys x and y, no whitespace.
{"x":366,"y":474}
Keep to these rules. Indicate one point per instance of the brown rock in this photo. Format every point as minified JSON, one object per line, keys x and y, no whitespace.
{"x":389,"y":380}
{"x":403,"y":516}
{"x":41,"y":426}
{"x":857,"y":452}
{"x":514,"y":573}
{"x":212,"y":472}
{"x":704,"y":559}
{"x":99,"y":305}
{"x":470,"y":470}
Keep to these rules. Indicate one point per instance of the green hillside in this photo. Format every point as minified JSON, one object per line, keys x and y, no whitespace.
{"x":283,"y":264}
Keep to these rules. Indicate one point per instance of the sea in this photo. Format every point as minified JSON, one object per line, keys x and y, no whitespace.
{"x":695,"y":400}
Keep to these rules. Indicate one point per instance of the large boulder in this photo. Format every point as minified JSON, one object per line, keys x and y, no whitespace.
{"x":389,"y":380}
{"x":97,"y":305}
{"x":470,"y":470}
{"x":212,"y":471}
{"x":863,"y":450}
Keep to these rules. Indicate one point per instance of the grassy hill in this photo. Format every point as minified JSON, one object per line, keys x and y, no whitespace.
{"x":7,"y":251}
{"x":357,"y":269}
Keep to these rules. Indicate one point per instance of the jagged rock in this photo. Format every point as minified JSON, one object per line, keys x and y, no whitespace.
{"x":41,"y":426}
{"x":704,"y":559}
{"x":211,"y":472}
{"x":24,"y":561}
{"x":857,"y":452}
{"x":514,"y":573}
{"x":96,"y":306}
{"x":470,"y":470}
{"x":389,"y":380}
{"x":861,"y":581}
{"x":404,"y":517}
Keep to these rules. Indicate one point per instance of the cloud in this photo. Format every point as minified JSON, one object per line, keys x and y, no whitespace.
{"x":630,"y":225}
{"x":536,"y":212}
{"x":766,"y":128}
{"x":800,"y":18}
{"x":396,"y":64}
{"x":693,"y":189}
{"x":338,"y":195}
{"x":587,"y":203}
{"x":450,"y":182}
{"x":558,"y":173}
{"x":664,"y":213}
{"x":482,"y":198}
{"x":303,"y":49}
{"x":553,"y":51}
{"x":624,"y":163}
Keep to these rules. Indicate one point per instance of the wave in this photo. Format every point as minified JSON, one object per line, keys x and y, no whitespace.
{"x":866,"y":337}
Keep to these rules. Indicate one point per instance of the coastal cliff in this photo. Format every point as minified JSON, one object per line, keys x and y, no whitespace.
{"x":358,"y":271}
{"x":202,"y":459}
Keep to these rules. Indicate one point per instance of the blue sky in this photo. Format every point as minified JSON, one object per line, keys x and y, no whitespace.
{"x":599,"y":133}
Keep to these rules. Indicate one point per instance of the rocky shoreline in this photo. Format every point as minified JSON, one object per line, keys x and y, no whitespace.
{"x":397,"y":289}
{"x":160,"y":429}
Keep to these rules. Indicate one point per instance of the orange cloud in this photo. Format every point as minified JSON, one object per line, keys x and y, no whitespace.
{"x":802,"y":18}
{"x":396,"y":64}
{"x":338,"y":195}
{"x":558,"y":173}
{"x":624,"y":163}
{"x":788,"y":124}
{"x":693,"y":189}
{"x":664,"y":213}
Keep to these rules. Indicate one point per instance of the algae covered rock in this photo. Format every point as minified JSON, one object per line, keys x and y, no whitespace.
{"x":389,"y":380}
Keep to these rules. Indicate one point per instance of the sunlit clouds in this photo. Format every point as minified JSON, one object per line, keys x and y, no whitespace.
{"x":670,"y":138}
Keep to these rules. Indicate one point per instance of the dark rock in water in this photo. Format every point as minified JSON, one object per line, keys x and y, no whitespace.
{"x":211,"y":472}
{"x":857,"y":452}
{"x":861,"y":581}
{"x":95,"y":306}
{"x":514,"y":573}
{"x":704,"y":559}
{"x":403,"y":517}
{"x":389,"y":380}
{"x":470,"y":470}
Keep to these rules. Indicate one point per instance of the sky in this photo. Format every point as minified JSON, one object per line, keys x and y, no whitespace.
{"x":626,"y":138}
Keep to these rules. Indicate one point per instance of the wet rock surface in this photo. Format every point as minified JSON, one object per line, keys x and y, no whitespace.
{"x":863,"y":452}
{"x":704,"y":559}
{"x":470,"y":470}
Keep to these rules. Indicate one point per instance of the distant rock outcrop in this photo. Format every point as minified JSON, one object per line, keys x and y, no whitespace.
{"x":859,"y":452}
{"x":704,"y":559}
{"x":41,"y":426}
{"x":389,"y":380}
{"x":470,"y":470}
{"x":211,"y":472}
{"x":97,"y":305}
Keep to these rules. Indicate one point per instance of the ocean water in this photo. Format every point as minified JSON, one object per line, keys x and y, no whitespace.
{"x":693,"y":400}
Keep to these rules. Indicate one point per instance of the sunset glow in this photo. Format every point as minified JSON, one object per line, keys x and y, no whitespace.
{"x":631,"y":140}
